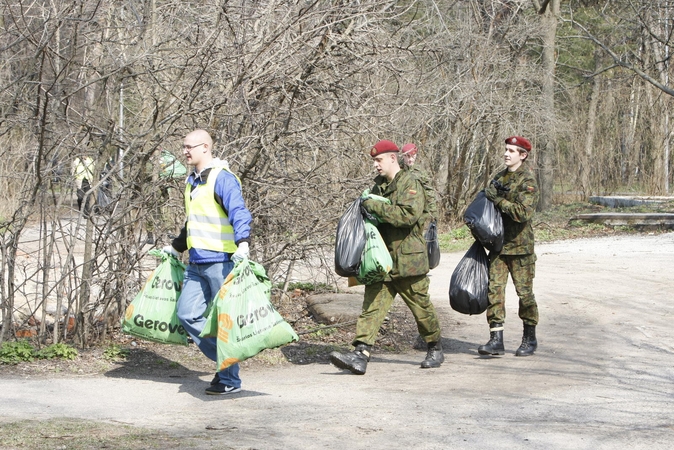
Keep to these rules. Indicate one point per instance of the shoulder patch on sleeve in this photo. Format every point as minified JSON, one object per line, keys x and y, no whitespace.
{"x":412,"y":192}
{"x":530,"y":188}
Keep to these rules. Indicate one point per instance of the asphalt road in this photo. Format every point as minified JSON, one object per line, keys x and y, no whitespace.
{"x":602,"y":378}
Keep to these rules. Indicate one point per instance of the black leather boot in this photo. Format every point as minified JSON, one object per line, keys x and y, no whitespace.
{"x":356,"y":361}
{"x":434,"y":356}
{"x":529,"y":342}
{"x":495,"y":345}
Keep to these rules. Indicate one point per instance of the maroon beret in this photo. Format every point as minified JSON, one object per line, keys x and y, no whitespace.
{"x":383,"y":146}
{"x":410,"y":149}
{"x":520,"y":142}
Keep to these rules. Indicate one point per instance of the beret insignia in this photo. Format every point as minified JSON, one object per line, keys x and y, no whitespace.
{"x":519,"y":141}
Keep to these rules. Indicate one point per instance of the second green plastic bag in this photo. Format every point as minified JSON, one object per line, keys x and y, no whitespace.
{"x":376,"y":261}
{"x":247,"y":322}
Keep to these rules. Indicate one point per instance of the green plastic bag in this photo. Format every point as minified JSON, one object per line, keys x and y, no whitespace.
{"x":376,"y":261}
{"x":379,"y":198}
{"x":170,"y":167}
{"x":152,"y":313}
{"x":247,"y":322}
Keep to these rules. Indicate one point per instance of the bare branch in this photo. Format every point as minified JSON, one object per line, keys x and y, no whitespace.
{"x":620,"y":62}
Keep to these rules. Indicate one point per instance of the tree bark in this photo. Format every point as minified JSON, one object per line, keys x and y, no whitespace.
{"x":591,"y":130}
{"x":547,"y":150}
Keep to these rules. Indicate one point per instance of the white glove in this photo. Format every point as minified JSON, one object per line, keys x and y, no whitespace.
{"x":241,"y":252}
{"x":171,"y":251}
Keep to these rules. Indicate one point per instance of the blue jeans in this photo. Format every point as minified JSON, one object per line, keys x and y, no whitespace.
{"x":202,"y":283}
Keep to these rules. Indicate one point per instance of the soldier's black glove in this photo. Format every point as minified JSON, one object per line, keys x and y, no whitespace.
{"x":499,"y":187}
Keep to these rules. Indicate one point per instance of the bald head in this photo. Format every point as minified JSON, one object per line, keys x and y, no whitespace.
{"x":201,"y":136}
{"x":198,"y":149}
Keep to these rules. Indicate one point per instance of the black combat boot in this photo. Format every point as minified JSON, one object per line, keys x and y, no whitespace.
{"x":434,"y":356}
{"x":495,"y":344}
{"x":529,"y":342}
{"x":356,"y":361}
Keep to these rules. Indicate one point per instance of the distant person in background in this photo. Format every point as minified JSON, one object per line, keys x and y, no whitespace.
{"x":409,"y":157}
{"x":83,"y":171}
{"x":514,"y":192}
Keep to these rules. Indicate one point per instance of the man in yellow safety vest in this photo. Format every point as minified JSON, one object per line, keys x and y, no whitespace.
{"x":217,"y":235}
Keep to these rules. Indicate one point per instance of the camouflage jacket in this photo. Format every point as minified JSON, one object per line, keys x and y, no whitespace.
{"x":422,"y":176}
{"x":517,"y":205}
{"x":402,"y":222}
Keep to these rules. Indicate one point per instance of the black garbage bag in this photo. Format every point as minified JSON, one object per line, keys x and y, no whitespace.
{"x":469,"y":285}
{"x":350,"y":241}
{"x":432,"y":245}
{"x":484,"y":220}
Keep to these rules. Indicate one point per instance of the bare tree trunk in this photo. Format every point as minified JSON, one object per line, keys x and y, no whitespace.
{"x":546,"y":174}
{"x":666,"y":101}
{"x":659,"y":176}
{"x":85,"y":287}
{"x":591,"y":130}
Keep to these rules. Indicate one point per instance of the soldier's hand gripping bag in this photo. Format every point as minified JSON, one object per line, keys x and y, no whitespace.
{"x":432,"y":245}
{"x":469,"y":285}
{"x":367,"y":215}
{"x":350,"y":241}
{"x":152,"y":313}
{"x":247,"y":321}
{"x":484,"y":220}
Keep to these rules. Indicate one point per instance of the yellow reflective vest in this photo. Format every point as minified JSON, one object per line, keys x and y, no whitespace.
{"x":83,"y":168}
{"x":208,"y":226}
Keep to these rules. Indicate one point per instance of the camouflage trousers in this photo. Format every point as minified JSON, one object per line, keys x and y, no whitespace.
{"x":378,"y":300}
{"x":522,"y":269}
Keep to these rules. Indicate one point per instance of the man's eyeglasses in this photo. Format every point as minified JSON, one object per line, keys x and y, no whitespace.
{"x":190,"y":147}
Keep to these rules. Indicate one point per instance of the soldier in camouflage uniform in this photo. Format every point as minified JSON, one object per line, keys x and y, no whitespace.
{"x":402,"y":229}
{"x":515,"y":193}
{"x":409,"y":157}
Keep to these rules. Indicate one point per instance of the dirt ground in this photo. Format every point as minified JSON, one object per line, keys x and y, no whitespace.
{"x":602,"y":378}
